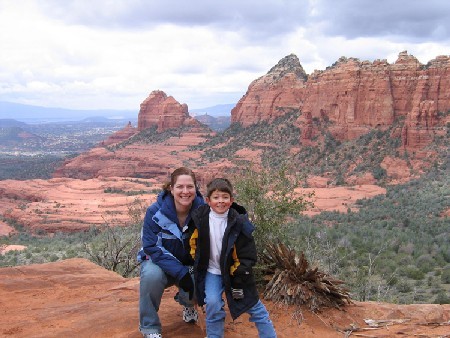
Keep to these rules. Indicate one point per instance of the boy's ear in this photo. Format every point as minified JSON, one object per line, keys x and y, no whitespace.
{"x":207,"y":200}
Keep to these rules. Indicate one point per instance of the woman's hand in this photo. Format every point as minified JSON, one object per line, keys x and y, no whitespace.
{"x":187,"y":284}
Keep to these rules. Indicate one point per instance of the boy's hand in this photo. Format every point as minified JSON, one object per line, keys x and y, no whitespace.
{"x":237,"y":293}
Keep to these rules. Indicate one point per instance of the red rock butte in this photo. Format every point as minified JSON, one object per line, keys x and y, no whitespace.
{"x":163,"y":111}
{"x":356,"y":96}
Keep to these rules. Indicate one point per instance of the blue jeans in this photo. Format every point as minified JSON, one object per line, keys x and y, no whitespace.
{"x":215,"y":312}
{"x":153,"y":281}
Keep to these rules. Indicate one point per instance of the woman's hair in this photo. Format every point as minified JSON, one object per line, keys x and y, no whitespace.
{"x":219,"y":184}
{"x":174,"y":176}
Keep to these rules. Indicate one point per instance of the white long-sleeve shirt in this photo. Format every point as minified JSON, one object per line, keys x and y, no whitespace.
{"x":217,"y":226}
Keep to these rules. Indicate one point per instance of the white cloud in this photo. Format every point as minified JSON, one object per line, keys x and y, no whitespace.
{"x":111,"y":54}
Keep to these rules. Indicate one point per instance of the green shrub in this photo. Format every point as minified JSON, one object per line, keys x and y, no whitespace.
{"x":445,"y":276}
{"x":442,"y":298}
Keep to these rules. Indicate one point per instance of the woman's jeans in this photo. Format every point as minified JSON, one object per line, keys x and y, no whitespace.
{"x":215,"y":313}
{"x":151,"y":288}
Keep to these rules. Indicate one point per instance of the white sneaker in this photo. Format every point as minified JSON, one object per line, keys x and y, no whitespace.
{"x":190,"y":315}
{"x":152,"y":335}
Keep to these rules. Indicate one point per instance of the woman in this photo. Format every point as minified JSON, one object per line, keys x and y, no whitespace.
{"x":165,"y":257}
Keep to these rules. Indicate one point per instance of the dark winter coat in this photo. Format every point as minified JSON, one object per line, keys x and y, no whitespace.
{"x":162,"y":239}
{"x":236,"y":260}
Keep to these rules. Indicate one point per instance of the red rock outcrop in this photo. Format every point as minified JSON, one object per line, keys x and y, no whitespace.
{"x":280,"y":91}
{"x":355,"y":96}
{"x":76,"y":298}
{"x":164,"y":112}
{"x":120,"y":135}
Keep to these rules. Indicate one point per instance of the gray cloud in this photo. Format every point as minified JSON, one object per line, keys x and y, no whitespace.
{"x":259,"y":19}
{"x":413,"y":20}
{"x":416,"y":20}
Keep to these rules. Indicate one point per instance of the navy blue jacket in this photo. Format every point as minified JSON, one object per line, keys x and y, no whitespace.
{"x":162,"y":239}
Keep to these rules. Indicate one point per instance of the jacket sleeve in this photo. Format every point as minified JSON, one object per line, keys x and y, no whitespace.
{"x":153,"y":248}
{"x":244,"y":253}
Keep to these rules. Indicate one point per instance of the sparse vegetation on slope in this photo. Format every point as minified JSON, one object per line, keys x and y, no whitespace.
{"x":275,"y":139}
{"x":395,"y":248}
{"x":23,"y":167}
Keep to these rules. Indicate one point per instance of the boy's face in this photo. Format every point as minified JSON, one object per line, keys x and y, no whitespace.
{"x":219,"y":201}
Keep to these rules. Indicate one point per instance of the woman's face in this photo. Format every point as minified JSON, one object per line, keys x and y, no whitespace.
{"x":183,"y":192}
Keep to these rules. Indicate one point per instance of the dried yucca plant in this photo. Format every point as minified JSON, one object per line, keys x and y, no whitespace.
{"x":293,"y":282}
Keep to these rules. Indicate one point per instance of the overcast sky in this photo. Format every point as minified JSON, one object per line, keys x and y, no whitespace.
{"x":92,"y":54}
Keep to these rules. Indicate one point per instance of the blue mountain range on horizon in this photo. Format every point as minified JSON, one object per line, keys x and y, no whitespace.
{"x":38,"y":114}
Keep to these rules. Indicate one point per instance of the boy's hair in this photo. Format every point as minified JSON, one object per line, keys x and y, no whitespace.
{"x":219,"y":184}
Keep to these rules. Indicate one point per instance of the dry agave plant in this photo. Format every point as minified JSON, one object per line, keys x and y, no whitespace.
{"x":293,"y":282}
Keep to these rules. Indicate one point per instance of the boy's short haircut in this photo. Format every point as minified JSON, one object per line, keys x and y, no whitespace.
{"x":219,"y":184}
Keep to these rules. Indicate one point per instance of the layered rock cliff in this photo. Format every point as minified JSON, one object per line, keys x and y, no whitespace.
{"x":355,"y":97}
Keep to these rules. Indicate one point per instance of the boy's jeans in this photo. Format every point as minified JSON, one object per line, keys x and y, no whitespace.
{"x":151,"y":288}
{"x":215,"y":313}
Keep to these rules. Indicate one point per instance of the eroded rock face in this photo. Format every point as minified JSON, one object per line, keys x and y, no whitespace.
{"x":280,"y":91}
{"x":355,"y":97}
{"x":162,"y":111}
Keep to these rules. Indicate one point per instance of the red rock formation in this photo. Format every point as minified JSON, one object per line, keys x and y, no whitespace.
{"x":120,"y":135}
{"x":76,"y":298}
{"x":272,"y":95}
{"x":162,"y":111}
{"x":355,"y":96}
{"x":140,"y":159}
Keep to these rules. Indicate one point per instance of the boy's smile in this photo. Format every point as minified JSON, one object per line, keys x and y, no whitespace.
{"x":219,"y":201}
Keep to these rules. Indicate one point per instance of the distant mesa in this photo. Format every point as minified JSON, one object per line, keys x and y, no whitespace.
{"x":37,"y":114}
{"x":11,"y":133}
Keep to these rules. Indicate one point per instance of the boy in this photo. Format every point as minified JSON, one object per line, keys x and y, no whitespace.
{"x":225,"y":252}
